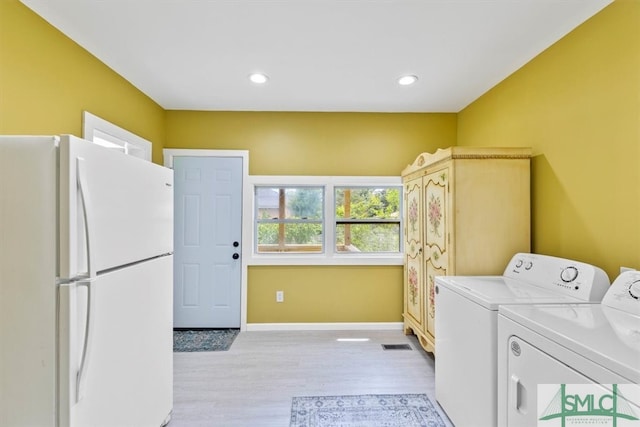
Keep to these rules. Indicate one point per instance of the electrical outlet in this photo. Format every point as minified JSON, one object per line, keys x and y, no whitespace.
{"x":279,"y":296}
{"x":623,"y":269}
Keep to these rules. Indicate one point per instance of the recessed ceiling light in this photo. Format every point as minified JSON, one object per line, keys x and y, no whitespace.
{"x":258,"y":78}
{"x":407,"y":80}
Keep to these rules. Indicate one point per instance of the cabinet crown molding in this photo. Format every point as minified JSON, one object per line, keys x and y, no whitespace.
{"x":444,"y":154}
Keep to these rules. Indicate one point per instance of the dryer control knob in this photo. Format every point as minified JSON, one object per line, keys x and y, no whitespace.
{"x":634,"y":290}
{"x":569,"y":274}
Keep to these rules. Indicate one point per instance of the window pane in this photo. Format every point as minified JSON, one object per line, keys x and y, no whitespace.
{"x":369,"y":238}
{"x":289,"y":219}
{"x":367,"y":203}
{"x":289,"y":203}
{"x":298,"y":237}
{"x":303,"y":203}
{"x":304,"y":237}
{"x":108,"y":144}
{"x":267,"y":202}
{"x":267,"y":234}
{"x":368,"y":219}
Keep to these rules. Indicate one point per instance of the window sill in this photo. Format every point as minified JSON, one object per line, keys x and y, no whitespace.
{"x":323,"y":259}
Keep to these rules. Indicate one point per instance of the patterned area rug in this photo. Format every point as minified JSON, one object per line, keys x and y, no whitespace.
{"x":371,"y":410}
{"x":203,"y":339}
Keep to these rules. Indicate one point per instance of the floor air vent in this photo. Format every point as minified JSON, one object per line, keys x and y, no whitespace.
{"x":396,"y":347}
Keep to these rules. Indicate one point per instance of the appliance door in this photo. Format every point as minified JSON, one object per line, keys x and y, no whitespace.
{"x":121,"y":376}
{"x":528,"y":367}
{"x":114,"y":209}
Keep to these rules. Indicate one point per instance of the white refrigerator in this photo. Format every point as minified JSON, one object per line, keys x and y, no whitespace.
{"x":86,"y":242}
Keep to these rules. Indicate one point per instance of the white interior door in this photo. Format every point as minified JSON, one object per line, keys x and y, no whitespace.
{"x":207,"y":239}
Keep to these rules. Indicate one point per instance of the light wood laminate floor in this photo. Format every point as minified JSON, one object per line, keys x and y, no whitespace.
{"x":252,"y":384}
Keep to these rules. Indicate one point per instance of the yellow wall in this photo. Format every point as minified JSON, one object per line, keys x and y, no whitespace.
{"x":315,"y":143}
{"x":47,"y":80}
{"x":325,"y":294}
{"x":319,"y":144}
{"x":578,"y":106}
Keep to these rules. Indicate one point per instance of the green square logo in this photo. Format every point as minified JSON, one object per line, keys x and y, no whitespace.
{"x":577,"y":405}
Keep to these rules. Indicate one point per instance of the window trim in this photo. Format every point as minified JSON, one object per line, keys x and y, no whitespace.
{"x":329,"y":256}
{"x":94,"y":126}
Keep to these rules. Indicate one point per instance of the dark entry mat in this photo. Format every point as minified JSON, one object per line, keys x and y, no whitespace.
{"x":190,"y":340}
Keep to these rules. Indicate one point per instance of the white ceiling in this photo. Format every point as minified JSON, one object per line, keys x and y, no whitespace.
{"x":320,"y":55}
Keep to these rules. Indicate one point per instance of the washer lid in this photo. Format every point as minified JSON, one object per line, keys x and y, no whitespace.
{"x":493,"y":291}
{"x":604,"y":335}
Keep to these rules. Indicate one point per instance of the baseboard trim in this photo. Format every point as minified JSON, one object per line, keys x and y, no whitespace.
{"x":349,"y":326}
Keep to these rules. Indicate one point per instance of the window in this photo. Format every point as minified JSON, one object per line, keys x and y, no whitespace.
{"x":111,"y":136}
{"x":326,"y":220}
{"x":367,"y":219}
{"x":289,"y":219}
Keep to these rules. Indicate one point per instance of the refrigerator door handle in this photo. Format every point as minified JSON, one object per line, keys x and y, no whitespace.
{"x":91,"y":272}
{"x":87,"y":213}
{"x":86,"y":347}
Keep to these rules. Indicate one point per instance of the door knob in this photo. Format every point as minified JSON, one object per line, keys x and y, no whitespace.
{"x":236,"y":244}
{"x":236,"y":256}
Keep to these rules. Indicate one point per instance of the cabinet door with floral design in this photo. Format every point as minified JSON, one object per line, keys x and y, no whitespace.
{"x":414,"y":274}
{"x":436,"y":192}
{"x":432,"y":272}
{"x":413,"y":206}
{"x":436,"y":229}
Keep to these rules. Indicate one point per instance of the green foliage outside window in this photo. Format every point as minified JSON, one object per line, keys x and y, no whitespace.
{"x":367,"y":219}
{"x":302,"y":222}
{"x":368,"y":204}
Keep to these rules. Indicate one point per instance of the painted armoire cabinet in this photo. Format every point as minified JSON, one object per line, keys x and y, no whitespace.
{"x":467,"y":212}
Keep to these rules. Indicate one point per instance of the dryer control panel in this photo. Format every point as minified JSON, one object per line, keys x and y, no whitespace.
{"x":624,"y":294}
{"x":583,"y":281}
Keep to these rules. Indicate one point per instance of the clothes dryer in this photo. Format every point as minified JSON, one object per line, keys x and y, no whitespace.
{"x":544,"y":347}
{"x":466,"y":322}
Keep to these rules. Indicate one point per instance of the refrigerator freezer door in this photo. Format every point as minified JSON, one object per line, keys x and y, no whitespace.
{"x":127,"y":203}
{"x":129,"y":367}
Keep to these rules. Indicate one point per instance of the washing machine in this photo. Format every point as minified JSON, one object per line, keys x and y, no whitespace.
{"x":545,"y":349}
{"x":466,"y":326}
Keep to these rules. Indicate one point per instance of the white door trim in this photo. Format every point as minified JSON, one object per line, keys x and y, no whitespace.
{"x":170,"y":153}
